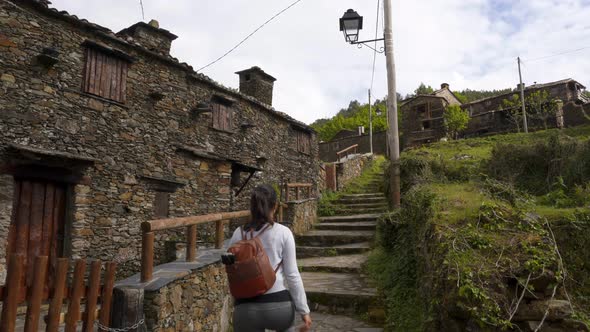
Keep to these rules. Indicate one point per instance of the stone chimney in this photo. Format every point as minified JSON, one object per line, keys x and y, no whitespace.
{"x":150,"y":36}
{"x":518,"y":86}
{"x":361,"y":130}
{"x":254,"y":82}
{"x":444,"y":86}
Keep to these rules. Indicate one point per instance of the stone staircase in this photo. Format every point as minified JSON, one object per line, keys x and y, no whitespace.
{"x":330,"y":258}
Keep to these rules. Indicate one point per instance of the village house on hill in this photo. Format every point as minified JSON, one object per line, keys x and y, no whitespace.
{"x":422,"y":115}
{"x":101,"y":131}
{"x":347,"y":138}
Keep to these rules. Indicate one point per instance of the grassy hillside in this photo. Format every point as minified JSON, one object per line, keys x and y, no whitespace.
{"x":484,"y":221}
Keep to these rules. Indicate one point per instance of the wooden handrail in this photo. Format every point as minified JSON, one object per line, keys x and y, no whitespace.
{"x":297,"y":186}
{"x":149,"y":227}
{"x":347,"y":149}
{"x":171,"y":223}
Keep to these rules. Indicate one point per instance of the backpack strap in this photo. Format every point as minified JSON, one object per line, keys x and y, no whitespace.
{"x":279,"y":266}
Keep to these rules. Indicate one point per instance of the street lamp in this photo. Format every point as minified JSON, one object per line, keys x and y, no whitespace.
{"x":351,"y":23}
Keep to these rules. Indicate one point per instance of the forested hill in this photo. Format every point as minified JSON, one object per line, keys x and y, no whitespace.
{"x":357,"y":114}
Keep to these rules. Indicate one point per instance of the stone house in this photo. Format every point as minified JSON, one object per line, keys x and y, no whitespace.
{"x":346,"y":138}
{"x":422,"y":116}
{"x":488,"y":116}
{"x":100,"y":131}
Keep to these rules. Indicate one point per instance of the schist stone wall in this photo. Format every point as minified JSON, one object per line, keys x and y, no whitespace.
{"x":351,"y":169}
{"x":148,"y":138}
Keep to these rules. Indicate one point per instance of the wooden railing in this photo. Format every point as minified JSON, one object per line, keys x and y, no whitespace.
{"x":149,"y":227}
{"x":348,"y":151}
{"x":298,"y":188}
{"x":15,"y":293}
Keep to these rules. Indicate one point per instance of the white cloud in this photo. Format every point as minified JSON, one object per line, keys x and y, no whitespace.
{"x":467,"y":43}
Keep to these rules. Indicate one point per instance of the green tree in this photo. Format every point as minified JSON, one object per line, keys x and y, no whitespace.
{"x":456,"y":120}
{"x":513,"y":110}
{"x":423,"y":90}
{"x":462,"y":98}
{"x":541,"y":106}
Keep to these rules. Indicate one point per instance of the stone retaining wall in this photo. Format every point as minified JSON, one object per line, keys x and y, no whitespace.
{"x":187,"y":296}
{"x":301,"y":215}
{"x":350,"y":169}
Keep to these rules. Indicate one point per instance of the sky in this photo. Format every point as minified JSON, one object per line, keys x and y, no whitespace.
{"x":466,"y":43}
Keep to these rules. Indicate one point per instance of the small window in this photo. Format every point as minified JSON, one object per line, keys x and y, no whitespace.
{"x":426,"y":125}
{"x":222,"y":117}
{"x":303,"y":142}
{"x":336,"y":146}
{"x":162,"y":204}
{"x":105,"y":75}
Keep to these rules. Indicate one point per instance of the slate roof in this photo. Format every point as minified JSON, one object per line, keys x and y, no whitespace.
{"x":43,"y":7}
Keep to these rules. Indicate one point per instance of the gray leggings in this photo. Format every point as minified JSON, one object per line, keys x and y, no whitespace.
{"x":256,"y":317}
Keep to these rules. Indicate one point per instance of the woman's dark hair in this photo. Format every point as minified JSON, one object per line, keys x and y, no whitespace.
{"x":262,"y":202}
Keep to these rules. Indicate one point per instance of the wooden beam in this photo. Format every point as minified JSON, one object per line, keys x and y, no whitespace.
{"x":171,"y":223}
{"x":191,"y":243}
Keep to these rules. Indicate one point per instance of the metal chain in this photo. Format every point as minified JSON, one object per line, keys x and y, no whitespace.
{"x":124,"y":329}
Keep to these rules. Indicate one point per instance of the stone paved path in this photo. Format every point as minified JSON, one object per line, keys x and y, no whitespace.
{"x":331,"y":259}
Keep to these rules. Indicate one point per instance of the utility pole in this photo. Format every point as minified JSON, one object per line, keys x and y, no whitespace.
{"x":524,"y":122}
{"x":370,"y":123}
{"x":392,"y":131}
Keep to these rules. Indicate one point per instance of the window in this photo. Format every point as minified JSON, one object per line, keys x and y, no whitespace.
{"x":162,"y":204}
{"x":426,"y":125}
{"x":222,"y":117}
{"x":105,"y":75}
{"x":423,"y":111}
{"x":303,"y":142}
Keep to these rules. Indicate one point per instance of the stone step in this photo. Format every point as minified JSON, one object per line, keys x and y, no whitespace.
{"x":331,"y":323}
{"x":364,"y":195}
{"x":333,"y":264}
{"x":348,"y":226}
{"x":319,"y":238}
{"x":349,"y":211}
{"x":356,"y":205}
{"x":362,"y":200}
{"x":339,"y":292}
{"x":346,"y":249}
{"x":354,"y":217}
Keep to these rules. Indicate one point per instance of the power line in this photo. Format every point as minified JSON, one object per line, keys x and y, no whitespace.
{"x":248,"y":36}
{"x":142,"y":12}
{"x":375,"y":48}
{"x":558,"y":54}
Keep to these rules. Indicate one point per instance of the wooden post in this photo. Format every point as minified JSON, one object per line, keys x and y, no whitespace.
{"x":106,"y":298}
{"x":34,"y":307}
{"x":191,"y":243}
{"x":92,"y":296}
{"x":128,"y":308}
{"x":297,"y":197}
{"x":73,"y":315}
{"x":309,"y":192}
{"x":12,"y":289}
{"x":58,"y":294}
{"x":286,"y":193}
{"x":219,"y":234}
{"x":147,"y":256}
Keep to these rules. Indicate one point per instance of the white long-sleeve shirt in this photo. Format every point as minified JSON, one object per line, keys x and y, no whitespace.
{"x":279,"y":244}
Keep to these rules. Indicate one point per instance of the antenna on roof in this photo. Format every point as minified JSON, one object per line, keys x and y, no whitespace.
{"x":142,"y":12}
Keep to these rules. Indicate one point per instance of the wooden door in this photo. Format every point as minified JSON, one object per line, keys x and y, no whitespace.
{"x":37,"y":226}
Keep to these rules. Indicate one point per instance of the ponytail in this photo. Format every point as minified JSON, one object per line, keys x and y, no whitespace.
{"x":262,"y":202}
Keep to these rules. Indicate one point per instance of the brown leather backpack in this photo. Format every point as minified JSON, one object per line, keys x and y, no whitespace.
{"x":251,"y":275}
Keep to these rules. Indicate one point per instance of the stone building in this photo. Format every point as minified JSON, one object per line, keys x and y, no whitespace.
{"x":488,"y":116}
{"x":422,"y":116}
{"x":100,"y":131}
{"x":346,"y":138}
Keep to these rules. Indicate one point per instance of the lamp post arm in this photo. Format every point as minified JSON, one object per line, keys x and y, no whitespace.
{"x":367,"y":41}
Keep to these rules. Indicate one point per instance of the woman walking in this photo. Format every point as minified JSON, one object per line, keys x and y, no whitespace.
{"x":275,"y":309}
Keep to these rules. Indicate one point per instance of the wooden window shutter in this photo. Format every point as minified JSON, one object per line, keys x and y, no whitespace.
{"x":222,"y":117}
{"x":105,"y":76}
{"x":162,"y":204}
